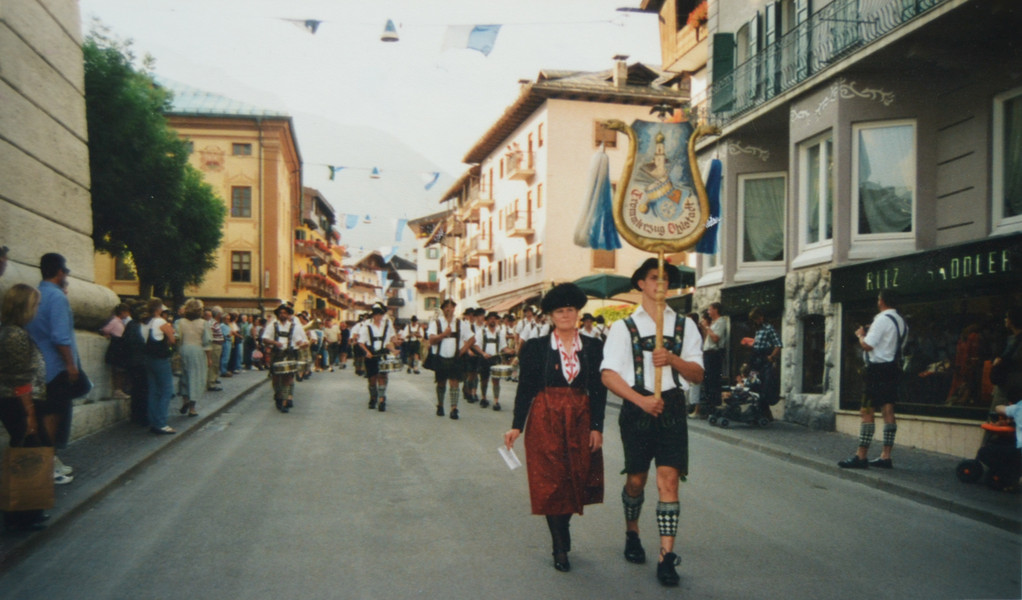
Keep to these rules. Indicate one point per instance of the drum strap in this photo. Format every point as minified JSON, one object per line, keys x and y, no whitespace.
{"x":290,"y":332}
{"x":373,"y":339}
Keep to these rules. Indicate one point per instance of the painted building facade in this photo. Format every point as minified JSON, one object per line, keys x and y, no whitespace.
{"x":870,"y":145}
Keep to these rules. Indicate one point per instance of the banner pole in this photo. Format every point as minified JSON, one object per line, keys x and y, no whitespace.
{"x":661,"y":303}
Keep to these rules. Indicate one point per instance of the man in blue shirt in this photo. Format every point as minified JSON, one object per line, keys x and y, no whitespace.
{"x":53,"y":331}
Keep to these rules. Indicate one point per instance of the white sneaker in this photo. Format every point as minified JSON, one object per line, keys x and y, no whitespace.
{"x":59,"y":479}
{"x":60,"y":468}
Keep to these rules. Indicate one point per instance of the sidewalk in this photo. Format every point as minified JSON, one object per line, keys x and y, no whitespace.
{"x":920,"y":475}
{"x":111,"y":457}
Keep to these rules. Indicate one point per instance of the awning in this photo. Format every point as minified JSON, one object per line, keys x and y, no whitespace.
{"x":506,"y":304}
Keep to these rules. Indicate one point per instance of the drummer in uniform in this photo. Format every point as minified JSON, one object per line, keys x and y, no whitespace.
{"x":284,"y":336}
{"x":492,"y":343}
{"x":376,"y":340}
{"x":357,"y":335}
{"x":449,"y":336}
{"x":413,"y":337}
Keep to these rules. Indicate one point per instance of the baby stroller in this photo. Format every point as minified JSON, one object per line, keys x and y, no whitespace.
{"x":998,"y":462}
{"x":742,"y":405}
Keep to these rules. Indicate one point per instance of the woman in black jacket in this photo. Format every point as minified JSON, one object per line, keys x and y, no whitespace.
{"x":563,"y":399}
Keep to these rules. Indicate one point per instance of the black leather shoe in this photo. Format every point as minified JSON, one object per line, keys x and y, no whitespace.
{"x":633,"y":548}
{"x":439,"y":410}
{"x":853,"y":462}
{"x":372,"y":404}
{"x":881,"y":463}
{"x":382,"y":406}
{"x":454,"y":414}
{"x":484,"y":403}
{"x":471,"y":399}
{"x":496,"y":406}
{"x":665,"y":571}
{"x":561,"y":562}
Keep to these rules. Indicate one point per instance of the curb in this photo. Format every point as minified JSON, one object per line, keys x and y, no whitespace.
{"x":25,"y":543}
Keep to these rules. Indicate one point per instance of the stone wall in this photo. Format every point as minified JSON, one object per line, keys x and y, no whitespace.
{"x":45,"y":204}
{"x":807,"y":292}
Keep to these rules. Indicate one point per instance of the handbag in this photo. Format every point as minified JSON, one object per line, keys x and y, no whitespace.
{"x":26,"y":478}
{"x":157,"y":348}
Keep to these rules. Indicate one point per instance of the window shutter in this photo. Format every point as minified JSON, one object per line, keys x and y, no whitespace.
{"x":723,"y":65}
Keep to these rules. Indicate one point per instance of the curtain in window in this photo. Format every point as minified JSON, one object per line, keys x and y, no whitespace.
{"x":886,"y":179}
{"x":763,"y":202}
{"x":1013,"y":157}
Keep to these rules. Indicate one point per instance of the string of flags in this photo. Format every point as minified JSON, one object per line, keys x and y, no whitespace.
{"x":480,"y":38}
{"x":429,"y":178}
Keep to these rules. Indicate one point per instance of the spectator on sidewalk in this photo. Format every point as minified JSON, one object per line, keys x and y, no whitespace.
{"x":135,"y":349}
{"x":1009,"y":389}
{"x":766,"y":350}
{"x":882,"y":343}
{"x":714,"y":346}
{"x":225,"y":356}
{"x":159,"y":339}
{"x":23,"y":405}
{"x":116,"y":351}
{"x":213,"y":317}
{"x":196,"y":356}
{"x":53,"y":331}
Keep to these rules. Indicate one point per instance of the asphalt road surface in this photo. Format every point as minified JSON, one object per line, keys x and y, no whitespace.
{"x":336,"y":501}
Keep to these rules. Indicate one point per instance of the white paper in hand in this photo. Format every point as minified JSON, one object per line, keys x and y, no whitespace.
{"x":509,"y":457}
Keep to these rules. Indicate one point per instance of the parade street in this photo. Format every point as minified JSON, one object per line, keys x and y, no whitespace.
{"x":335,"y":501}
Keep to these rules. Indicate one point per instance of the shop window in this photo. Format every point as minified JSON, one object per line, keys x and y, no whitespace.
{"x":814,"y":343}
{"x":124,"y":269}
{"x":602,"y":135}
{"x":241,"y":267}
{"x":604,"y":259}
{"x":241,"y":149}
{"x":884,"y":180}
{"x":761,"y":217}
{"x":951,"y":341}
{"x":241,"y":202}
{"x":1007,"y":175}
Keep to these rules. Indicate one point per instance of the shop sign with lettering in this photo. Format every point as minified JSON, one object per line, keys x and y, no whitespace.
{"x":740,"y":299}
{"x":989,"y":264}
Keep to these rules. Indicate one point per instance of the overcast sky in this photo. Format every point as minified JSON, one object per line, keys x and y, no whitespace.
{"x":406,"y":107}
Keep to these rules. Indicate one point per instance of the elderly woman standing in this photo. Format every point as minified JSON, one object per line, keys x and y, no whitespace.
{"x":196,"y":354}
{"x":22,"y":387}
{"x":564,"y":400}
{"x":159,"y":338}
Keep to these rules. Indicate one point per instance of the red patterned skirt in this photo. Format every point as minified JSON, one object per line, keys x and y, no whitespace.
{"x":564,"y":475}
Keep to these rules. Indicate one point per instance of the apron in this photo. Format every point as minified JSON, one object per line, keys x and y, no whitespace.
{"x":564,"y":475}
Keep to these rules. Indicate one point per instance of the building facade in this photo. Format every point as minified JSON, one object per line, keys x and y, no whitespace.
{"x":509,"y":234}
{"x":428,"y":254}
{"x":870,"y":145}
{"x":250,"y":157}
{"x":318,"y":265}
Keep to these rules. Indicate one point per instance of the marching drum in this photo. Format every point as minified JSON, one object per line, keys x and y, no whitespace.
{"x":390,"y":365}
{"x":285,"y":367}
{"x":500,"y":371}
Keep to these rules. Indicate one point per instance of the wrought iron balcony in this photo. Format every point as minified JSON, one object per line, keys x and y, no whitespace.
{"x":519,"y":224}
{"x":520,"y":166}
{"x":834,"y":32}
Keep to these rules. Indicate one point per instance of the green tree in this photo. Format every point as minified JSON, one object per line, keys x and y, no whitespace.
{"x":146,"y":200}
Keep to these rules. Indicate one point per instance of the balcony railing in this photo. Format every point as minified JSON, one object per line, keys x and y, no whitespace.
{"x":479,"y":246}
{"x":520,"y":165}
{"x":519,"y":224}
{"x":832,"y":33}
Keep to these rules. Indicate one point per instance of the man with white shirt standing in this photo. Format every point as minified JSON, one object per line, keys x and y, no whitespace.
{"x":653,"y":428}
{"x":882,"y":343}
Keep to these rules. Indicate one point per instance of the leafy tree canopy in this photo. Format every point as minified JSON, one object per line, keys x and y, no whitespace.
{"x":147,"y":201}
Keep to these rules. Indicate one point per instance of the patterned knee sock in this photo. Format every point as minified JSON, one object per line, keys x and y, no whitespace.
{"x":890,"y":429}
{"x":381,"y":387}
{"x":372,"y":390}
{"x":667,"y":518}
{"x":455,"y":396}
{"x":866,"y":434}
{"x":441,"y":389}
{"x":633,"y":506}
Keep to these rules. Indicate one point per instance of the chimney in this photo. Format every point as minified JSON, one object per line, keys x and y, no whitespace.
{"x":620,"y":70}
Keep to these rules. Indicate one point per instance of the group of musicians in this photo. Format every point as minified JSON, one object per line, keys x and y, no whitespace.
{"x":474,"y":351}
